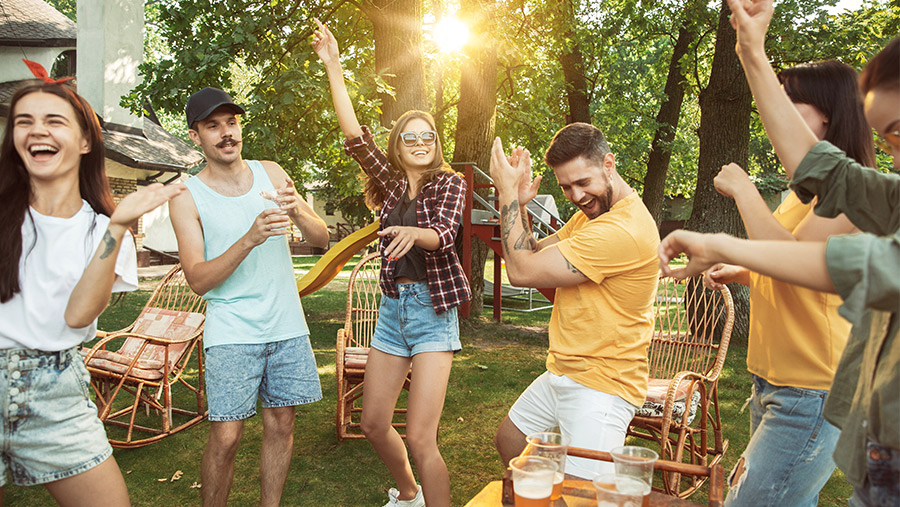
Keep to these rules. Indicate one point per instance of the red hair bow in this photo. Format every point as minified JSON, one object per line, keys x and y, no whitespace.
{"x":41,"y":73}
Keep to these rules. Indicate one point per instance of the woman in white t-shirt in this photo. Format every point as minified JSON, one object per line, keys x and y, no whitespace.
{"x":64,"y":247}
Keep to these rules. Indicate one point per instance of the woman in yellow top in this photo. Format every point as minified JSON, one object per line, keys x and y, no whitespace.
{"x":796,"y":335}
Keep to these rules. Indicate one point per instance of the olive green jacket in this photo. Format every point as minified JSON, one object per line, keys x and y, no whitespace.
{"x":865,"y":268}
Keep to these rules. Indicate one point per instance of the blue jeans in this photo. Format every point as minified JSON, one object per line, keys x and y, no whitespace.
{"x":882,"y":487}
{"x":788,"y":458}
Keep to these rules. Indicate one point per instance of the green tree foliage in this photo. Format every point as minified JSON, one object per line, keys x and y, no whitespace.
{"x":259,"y":51}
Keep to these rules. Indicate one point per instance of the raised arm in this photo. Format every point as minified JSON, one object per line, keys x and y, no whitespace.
{"x":528,"y":264}
{"x":325,"y":45}
{"x":789,"y":134}
{"x":91,"y":293}
{"x":203,"y":275}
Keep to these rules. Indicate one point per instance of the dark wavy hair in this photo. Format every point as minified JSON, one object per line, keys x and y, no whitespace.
{"x":15,"y":184}
{"x":374,"y":193}
{"x":831,"y":87}
{"x":577,"y":140}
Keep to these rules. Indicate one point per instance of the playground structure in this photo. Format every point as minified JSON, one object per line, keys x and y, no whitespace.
{"x":482,"y":222}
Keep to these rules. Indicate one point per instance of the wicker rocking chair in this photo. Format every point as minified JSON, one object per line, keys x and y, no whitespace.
{"x":681,"y":415}
{"x":363,"y":299}
{"x":158,"y":367}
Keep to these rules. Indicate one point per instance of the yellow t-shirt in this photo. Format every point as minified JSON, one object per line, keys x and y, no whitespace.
{"x":600,"y":330}
{"x":796,"y":334}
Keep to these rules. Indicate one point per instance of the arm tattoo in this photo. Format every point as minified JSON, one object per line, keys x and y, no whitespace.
{"x":572,"y":268}
{"x":109,"y":244}
{"x":526,"y":239}
{"x":508,"y":216}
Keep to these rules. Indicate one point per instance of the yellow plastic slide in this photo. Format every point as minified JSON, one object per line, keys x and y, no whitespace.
{"x":334,"y":259}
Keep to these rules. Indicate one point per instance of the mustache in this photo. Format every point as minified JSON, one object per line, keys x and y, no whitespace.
{"x":229,"y":141}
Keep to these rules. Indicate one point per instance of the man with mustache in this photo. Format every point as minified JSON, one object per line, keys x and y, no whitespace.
{"x":231,"y":229}
{"x":603,"y":265}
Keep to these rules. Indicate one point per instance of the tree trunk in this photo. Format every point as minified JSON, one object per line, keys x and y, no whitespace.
{"x":397,"y":30}
{"x":572,"y":62}
{"x":667,"y":125}
{"x":476,"y":114}
{"x":724,"y":138}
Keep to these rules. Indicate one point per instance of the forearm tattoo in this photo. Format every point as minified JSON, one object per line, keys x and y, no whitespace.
{"x":108,"y":244}
{"x":508,"y":216}
{"x":526,"y":240}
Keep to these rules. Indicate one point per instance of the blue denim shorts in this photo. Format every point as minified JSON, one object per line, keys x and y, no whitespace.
{"x":281,"y":374}
{"x":50,"y":430}
{"x":408,"y":325}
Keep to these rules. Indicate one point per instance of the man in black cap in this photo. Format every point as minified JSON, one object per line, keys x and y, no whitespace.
{"x":231,"y":229}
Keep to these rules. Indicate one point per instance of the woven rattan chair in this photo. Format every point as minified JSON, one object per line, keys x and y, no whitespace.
{"x":681,"y":415}
{"x":363,"y":299}
{"x":152,"y":386}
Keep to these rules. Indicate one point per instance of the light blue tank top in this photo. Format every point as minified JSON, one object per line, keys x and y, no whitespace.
{"x":259,"y":302}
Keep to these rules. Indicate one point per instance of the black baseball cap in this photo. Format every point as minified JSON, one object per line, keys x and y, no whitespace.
{"x":203,"y":103}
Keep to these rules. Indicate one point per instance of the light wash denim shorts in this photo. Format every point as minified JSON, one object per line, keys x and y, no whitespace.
{"x":281,"y":374}
{"x":50,"y":430}
{"x":409,"y":325}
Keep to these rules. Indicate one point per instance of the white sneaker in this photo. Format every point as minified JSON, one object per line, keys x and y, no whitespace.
{"x":394,"y":499}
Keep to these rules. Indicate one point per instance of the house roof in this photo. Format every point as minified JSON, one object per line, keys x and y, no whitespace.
{"x":155,"y":149}
{"x":34,"y":23}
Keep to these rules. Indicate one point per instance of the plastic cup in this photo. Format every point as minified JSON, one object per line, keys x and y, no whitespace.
{"x":618,"y":491}
{"x":532,"y":480}
{"x":636,"y":462}
{"x":549,"y":445}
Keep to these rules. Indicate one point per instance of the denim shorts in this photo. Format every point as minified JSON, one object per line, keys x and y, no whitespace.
{"x":50,"y":430}
{"x":409,"y":325}
{"x":281,"y":374}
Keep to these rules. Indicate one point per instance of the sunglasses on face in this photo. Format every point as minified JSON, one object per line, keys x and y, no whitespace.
{"x":428,"y":137}
{"x":889,"y":140}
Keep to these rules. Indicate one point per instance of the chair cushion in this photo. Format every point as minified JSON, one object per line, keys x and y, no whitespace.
{"x":156,"y":322}
{"x":656,"y":400}
{"x":355,"y":357}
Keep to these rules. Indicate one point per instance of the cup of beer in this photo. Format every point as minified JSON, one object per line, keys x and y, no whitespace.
{"x":615,"y":490}
{"x":532,"y":480}
{"x":549,"y":445}
{"x":637,"y":463}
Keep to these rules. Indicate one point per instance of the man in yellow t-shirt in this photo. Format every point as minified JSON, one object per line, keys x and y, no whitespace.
{"x":604,"y":267}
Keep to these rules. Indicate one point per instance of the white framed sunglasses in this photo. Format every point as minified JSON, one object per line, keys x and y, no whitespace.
{"x":428,"y":137}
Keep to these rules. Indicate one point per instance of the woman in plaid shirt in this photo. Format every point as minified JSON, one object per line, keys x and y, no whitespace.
{"x":421,"y":202}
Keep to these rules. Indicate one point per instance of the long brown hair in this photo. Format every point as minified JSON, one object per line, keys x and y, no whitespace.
{"x":15,"y":184}
{"x":374,"y":193}
{"x":831,"y":87}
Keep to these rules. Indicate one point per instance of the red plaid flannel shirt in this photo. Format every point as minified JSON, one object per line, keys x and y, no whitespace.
{"x":440,"y":207}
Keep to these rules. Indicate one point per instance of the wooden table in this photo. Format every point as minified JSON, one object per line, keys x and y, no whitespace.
{"x":576,"y":493}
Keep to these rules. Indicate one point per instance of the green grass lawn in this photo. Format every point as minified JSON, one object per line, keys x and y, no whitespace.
{"x":497,"y":362}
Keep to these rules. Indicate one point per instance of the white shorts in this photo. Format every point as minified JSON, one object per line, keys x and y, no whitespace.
{"x":589,"y":418}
